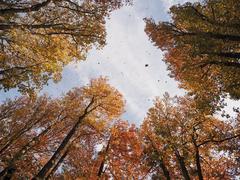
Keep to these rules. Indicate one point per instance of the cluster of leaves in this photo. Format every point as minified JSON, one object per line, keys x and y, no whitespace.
{"x":75,"y":135}
{"x":80,"y":135}
{"x":38,"y":38}
{"x":180,"y":140}
{"x":36,"y":135}
{"x":201,"y":45}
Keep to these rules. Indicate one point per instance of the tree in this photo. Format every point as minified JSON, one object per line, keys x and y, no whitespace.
{"x":181,"y":140}
{"x":202,"y":55}
{"x":38,"y":38}
{"x":121,"y":156}
{"x":117,"y":155}
{"x":43,"y":132}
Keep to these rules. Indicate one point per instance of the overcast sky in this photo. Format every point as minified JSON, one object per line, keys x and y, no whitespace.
{"x":123,"y":60}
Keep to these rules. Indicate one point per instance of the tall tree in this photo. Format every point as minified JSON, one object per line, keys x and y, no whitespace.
{"x":204,"y":55}
{"x":181,"y":140}
{"x":38,"y":38}
{"x":45,"y":135}
{"x":121,"y":156}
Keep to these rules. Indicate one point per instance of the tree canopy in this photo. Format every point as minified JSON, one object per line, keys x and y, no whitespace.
{"x":36,"y":135}
{"x":201,"y":46}
{"x":182,"y":141}
{"x":38,"y":38}
{"x":80,"y":135}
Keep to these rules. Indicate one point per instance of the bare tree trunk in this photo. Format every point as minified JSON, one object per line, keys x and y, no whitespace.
{"x":10,"y":169}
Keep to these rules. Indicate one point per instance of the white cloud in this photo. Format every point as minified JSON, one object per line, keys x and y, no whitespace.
{"x":123,"y":60}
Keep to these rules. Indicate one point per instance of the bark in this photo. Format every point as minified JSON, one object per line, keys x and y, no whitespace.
{"x":165,"y":170}
{"x":198,"y":163}
{"x":31,"y":26}
{"x":214,"y":35}
{"x":100,"y":171}
{"x":182,"y":165}
{"x":161,"y":162}
{"x":10,"y":169}
{"x":217,"y":36}
{"x":220,"y":63}
{"x":233,"y":55}
{"x":35,"y":7}
{"x":214,"y":22}
{"x":212,"y":140}
{"x":47,"y":168}
{"x":197,"y":157}
{"x":15,"y":137}
{"x":57,"y":165}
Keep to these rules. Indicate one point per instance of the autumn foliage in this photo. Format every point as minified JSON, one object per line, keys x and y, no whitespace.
{"x":81,"y":135}
{"x":201,"y":46}
{"x":38,"y":38}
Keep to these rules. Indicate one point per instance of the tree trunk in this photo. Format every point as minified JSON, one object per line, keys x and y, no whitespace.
{"x":165,"y":170}
{"x":197,"y":156}
{"x":57,"y":165}
{"x":212,"y":21}
{"x":220,"y":63}
{"x":182,"y":166}
{"x":198,"y":163}
{"x":10,"y":169}
{"x":217,"y":36}
{"x":233,"y":55}
{"x":100,"y":171}
{"x":47,"y":168}
{"x":26,"y":128}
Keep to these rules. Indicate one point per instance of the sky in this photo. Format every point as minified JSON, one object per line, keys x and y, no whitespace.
{"x":123,"y":60}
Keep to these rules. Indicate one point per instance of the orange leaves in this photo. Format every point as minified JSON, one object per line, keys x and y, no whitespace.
{"x":175,"y":128}
{"x":33,"y":129}
{"x":201,"y":55}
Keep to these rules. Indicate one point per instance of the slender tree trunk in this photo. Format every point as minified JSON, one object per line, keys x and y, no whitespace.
{"x":218,"y":36}
{"x":182,"y":166}
{"x":161,"y":162}
{"x":31,"y":26}
{"x":26,"y":128}
{"x":233,"y":55}
{"x":57,"y":165}
{"x":59,"y":152}
{"x":214,"y":22}
{"x":165,"y":170}
{"x":197,"y":155}
{"x":220,"y":63}
{"x":47,"y":168}
{"x":10,"y":169}
{"x":198,"y":163}
{"x":100,"y":171}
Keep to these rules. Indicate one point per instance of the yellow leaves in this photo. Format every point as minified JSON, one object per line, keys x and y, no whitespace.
{"x":38,"y":44}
